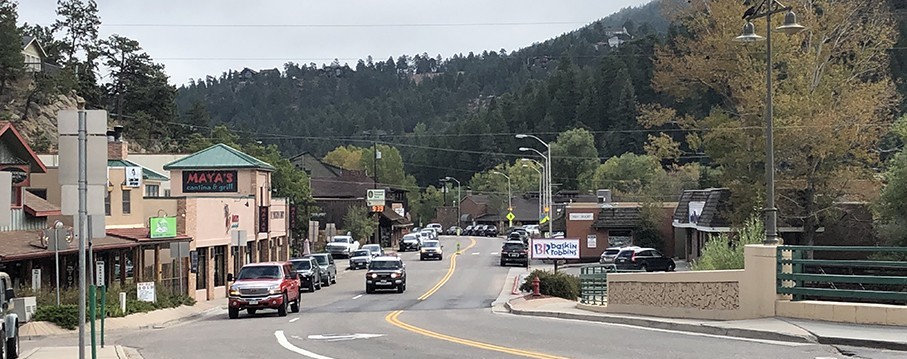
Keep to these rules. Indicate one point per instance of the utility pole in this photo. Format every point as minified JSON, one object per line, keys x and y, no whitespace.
{"x":376,"y":156}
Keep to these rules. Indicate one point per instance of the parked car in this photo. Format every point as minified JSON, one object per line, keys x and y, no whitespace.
{"x":431,"y":249}
{"x":412,"y":241}
{"x":309,"y":273}
{"x":515,"y":252}
{"x":360,"y":259}
{"x":374,"y":249}
{"x":342,"y":246}
{"x":647,"y":259}
{"x":266,"y":285}
{"x":454,"y":231}
{"x":386,"y":273}
{"x":9,"y":321}
{"x":611,"y":253}
{"x":328,"y":268}
{"x":490,"y":231}
{"x":478,"y":230}
{"x":468,"y":230}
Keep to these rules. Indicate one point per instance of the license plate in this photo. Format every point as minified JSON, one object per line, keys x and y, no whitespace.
{"x":383,"y":282}
{"x":253,"y":302}
{"x":514,"y":255}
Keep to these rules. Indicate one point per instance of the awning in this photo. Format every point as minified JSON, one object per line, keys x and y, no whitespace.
{"x":395,"y":218}
{"x":142,"y":235}
{"x":37,"y":206}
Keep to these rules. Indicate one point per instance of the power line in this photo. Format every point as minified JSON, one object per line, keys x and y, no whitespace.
{"x":405,"y":25}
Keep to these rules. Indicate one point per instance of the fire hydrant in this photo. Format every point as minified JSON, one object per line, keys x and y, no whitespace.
{"x":535,"y":286}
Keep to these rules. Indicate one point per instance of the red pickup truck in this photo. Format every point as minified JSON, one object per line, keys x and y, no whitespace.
{"x":268,"y":285}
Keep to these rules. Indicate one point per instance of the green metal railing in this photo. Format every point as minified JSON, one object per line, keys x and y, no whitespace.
{"x":829,"y":279}
{"x":593,"y":279}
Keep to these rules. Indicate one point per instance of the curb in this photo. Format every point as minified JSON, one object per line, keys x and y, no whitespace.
{"x":659,"y":324}
{"x":863,"y":343}
{"x":145,"y":326}
{"x":28,"y":353}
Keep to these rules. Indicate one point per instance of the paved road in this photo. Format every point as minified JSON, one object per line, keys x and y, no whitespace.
{"x":453,"y":320}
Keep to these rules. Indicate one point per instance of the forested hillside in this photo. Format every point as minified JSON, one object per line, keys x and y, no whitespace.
{"x":464,"y":108}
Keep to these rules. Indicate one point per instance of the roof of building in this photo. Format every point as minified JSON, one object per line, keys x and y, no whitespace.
{"x":28,"y":40}
{"x":351,"y":184}
{"x":22,"y":245}
{"x":716,"y":204}
{"x":22,"y":151}
{"x":37,"y":206}
{"x":618,"y":217}
{"x":315,"y":166}
{"x":394,"y":217}
{"x":219,"y":156}
{"x":143,"y":235}
{"x":147,"y":174}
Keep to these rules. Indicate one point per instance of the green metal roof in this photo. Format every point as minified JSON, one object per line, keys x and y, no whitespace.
{"x":218,"y":156}
{"x":146,"y":173}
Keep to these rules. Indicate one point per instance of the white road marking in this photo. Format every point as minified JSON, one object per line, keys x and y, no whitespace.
{"x":282,"y":340}
{"x":476,"y":253}
{"x":358,"y":296}
{"x":337,"y":338}
{"x":293,"y":320}
{"x":494,"y":253}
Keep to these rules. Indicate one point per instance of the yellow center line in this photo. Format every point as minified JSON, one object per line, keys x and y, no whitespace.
{"x":450,"y":271}
{"x":392,"y":318}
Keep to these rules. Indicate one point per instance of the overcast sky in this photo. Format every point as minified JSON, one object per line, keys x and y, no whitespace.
{"x":193,"y":52}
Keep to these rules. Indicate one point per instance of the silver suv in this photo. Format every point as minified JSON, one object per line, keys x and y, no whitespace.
{"x":9,"y":325}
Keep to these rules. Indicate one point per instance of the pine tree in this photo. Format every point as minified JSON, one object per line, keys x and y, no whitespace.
{"x":12,"y":64}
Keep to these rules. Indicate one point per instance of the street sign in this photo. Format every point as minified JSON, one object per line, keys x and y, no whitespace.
{"x":36,"y":279}
{"x":510,"y":216}
{"x":375,"y":197}
{"x":100,"y":278}
{"x":134,"y":177}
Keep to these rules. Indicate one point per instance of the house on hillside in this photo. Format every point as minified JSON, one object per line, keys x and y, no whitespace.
{"x":33,"y":54}
{"x":615,"y":37}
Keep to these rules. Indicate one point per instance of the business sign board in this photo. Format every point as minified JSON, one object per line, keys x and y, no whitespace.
{"x":210,"y":181}
{"x":145,"y":291}
{"x":695,"y":211}
{"x":163,"y":227}
{"x":264,"y":219}
{"x":133,"y":177}
{"x":582,"y":216}
{"x":559,"y":248}
{"x":375,"y":197}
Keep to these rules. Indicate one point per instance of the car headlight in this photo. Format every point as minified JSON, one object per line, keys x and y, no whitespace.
{"x":274,"y":289}
{"x":374,"y":275}
{"x":234,"y":292}
{"x":394,"y":275}
{"x":423,"y":250}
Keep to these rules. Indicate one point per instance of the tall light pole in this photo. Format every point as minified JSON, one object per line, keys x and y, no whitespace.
{"x":548,"y":166}
{"x":790,"y":27}
{"x":509,"y":196}
{"x":459,"y":197}
{"x":541,"y":180}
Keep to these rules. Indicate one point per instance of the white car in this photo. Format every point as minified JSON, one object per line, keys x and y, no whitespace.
{"x":532,"y":230}
{"x":431,"y":233}
{"x":436,"y":226}
{"x":360,"y":259}
{"x":375,"y":249}
{"x":342,"y":246}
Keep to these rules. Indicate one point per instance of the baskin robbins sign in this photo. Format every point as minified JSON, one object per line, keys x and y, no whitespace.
{"x":210,"y":181}
{"x":554,"y":249}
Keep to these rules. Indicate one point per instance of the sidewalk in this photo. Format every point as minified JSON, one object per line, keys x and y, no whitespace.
{"x":777,"y":329}
{"x":109,"y":352}
{"x":155,"y":319}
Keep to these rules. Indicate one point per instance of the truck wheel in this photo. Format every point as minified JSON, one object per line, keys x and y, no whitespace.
{"x":233,"y":313}
{"x":334,"y":279}
{"x":312,"y":286}
{"x":12,"y":347}
{"x":282,"y":309}
{"x":295,"y":306}
{"x":400,"y":288}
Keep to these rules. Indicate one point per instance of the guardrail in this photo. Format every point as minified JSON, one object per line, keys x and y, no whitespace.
{"x":882,"y":281}
{"x":593,"y":281}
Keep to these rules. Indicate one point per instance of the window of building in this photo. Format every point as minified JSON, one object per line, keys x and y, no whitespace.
{"x":166,"y":193}
{"x":220,"y":266}
{"x":201,"y":277}
{"x":107,"y":204}
{"x":40,"y":192}
{"x":152,"y":190}
{"x":127,"y":202}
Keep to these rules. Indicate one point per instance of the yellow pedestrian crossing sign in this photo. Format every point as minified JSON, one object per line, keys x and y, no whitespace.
{"x":510,"y":216}
{"x":544,"y":219}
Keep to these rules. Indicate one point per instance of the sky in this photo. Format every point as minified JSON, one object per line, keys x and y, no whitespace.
{"x":320,"y":31}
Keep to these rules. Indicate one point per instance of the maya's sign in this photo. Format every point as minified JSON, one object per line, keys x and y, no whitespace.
{"x":210,"y":181}
{"x":554,"y":249}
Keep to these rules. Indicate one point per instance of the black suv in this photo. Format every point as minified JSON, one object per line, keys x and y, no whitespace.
{"x":647,"y":259}
{"x":309,"y":273}
{"x":328,"y":268}
{"x":386,"y":273}
{"x":515,"y":252}
{"x":490,"y":231}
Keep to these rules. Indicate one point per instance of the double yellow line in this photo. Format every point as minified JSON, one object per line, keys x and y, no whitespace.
{"x":450,"y":272}
{"x":392,"y":318}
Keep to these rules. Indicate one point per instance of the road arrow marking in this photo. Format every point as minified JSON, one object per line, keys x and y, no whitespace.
{"x":358,"y":296}
{"x":293,"y":320}
{"x":336,"y":338}
{"x":282,"y":340}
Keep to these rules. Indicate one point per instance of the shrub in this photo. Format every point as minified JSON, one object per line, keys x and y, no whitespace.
{"x":721,"y":252}
{"x":65,"y":316}
{"x":558,"y":284}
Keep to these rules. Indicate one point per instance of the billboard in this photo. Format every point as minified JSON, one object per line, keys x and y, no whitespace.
{"x":163,"y":227}
{"x":546,"y":248}
{"x":210,"y":181}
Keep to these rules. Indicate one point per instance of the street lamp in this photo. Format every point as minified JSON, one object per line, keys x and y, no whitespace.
{"x":790,"y":27}
{"x":541,"y":180}
{"x":459,"y":198}
{"x":509,"y":196}
{"x":548,"y":165}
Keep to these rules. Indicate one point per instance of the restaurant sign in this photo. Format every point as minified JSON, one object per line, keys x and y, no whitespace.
{"x":210,"y":181}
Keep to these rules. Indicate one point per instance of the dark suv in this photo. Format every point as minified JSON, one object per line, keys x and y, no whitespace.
{"x":647,"y":259}
{"x":386,"y":273}
{"x":309,"y":273}
{"x":515,"y":252}
{"x":328,"y":268}
{"x":491,"y":231}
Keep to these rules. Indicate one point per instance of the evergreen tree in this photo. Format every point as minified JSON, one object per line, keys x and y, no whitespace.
{"x":11,"y":60}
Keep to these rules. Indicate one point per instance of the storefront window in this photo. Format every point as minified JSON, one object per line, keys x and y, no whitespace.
{"x":127,"y":202}
{"x":220,"y":265}
{"x":152,"y":190}
{"x":107,"y":204}
{"x":201,"y":277}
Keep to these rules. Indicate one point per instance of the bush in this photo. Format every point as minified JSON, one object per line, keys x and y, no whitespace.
{"x":721,"y":252}
{"x":553,"y":284}
{"x":65,"y":316}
